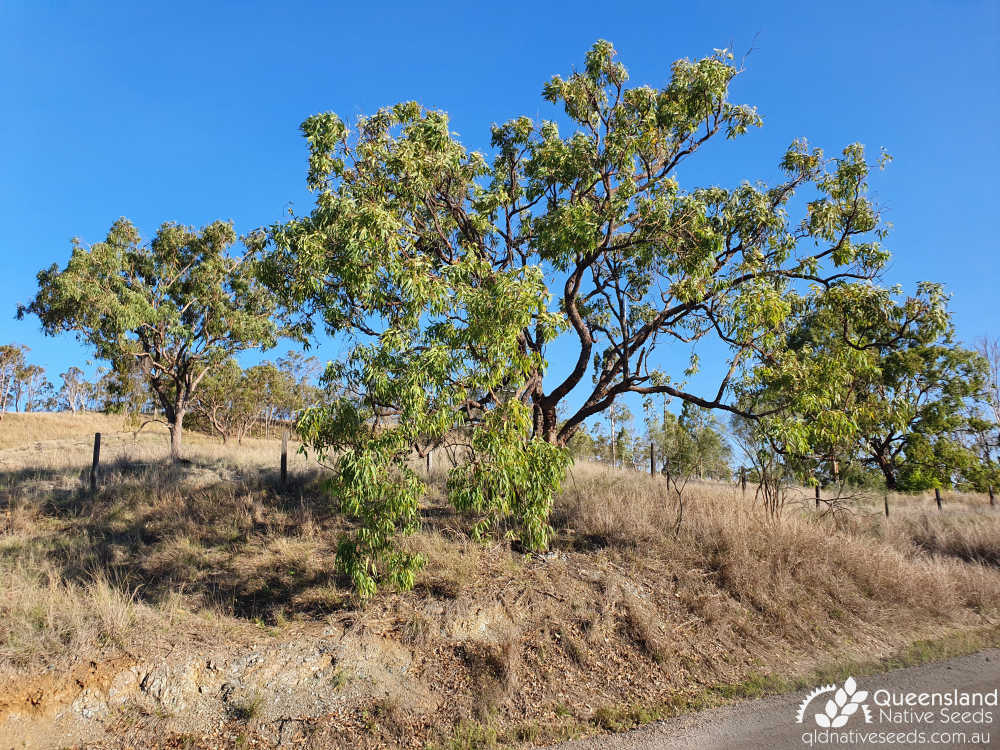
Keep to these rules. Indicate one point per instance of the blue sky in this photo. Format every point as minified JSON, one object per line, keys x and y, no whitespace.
{"x":190,"y":112}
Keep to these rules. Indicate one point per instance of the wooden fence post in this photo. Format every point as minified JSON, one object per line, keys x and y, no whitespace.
{"x":284,"y":457}
{"x":817,"y":497}
{"x":886,"y":500}
{"x":937,"y":496}
{"x":991,"y":496}
{"x":652,"y":459}
{"x":95,"y":466}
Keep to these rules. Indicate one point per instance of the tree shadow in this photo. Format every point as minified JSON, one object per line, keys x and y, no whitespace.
{"x":251,"y":548}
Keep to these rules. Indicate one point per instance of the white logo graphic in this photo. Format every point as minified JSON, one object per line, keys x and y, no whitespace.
{"x":841,"y":707}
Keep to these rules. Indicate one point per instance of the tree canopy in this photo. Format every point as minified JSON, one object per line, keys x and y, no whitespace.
{"x":872,"y":378}
{"x":590,"y":233}
{"x":173,"y":308}
{"x":452,"y":272}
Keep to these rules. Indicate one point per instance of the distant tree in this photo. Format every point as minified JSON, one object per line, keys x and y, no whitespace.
{"x":984,"y":420}
{"x":75,"y":390}
{"x":11,"y":363}
{"x":45,"y":399}
{"x":276,"y":393}
{"x":174,"y":308}
{"x":989,"y":350}
{"x":691,"y":444}
{"x":228,"y":401}
{"x":28,"y":383}
{"x":584,"y":446}
{"x":620,"y":436}
{"x":302,"y":372}
{"x":123,"y":390}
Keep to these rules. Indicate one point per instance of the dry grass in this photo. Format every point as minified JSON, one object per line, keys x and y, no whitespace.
{"x":22,"y":430}
{"x":801,"y":570}
{"x":211,"y":539}
{"x":622,"y":608}
{"x":44,"y":614}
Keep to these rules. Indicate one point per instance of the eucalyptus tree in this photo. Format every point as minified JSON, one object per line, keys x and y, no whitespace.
{"x":879,"y":380}
{"x":29,"y":384}
{"x":174,"y":308}
{"x":453,"y":271}
{"x":228,"y":401}
{"x":11,"y":363}
{"x":74,"y":394}
{"x":984,"y":420}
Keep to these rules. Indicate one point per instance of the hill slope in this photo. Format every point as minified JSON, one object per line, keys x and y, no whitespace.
{"x":196,"y":604}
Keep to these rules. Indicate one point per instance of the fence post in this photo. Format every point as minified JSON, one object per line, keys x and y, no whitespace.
{"x":817,"y":497}
{"x":284,"y":457}
{"x":937,"y":496}
{"x":743,"y":479}
{"x":652,"y":459}
{"x":95,"y":466}
{"x":991,"y":496}
{"x":886,"y":500}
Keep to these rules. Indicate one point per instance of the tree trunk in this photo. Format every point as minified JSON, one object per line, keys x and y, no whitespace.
{"x":614,"y":437}
{"x":888,"y":471}
{"x":176,"y":427}
{"x":549,"y":423}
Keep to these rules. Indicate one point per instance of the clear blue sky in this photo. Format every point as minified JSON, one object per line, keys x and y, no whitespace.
{"x":190,"y":111}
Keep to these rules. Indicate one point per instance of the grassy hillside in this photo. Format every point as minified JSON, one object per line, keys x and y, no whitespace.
{"x":172,"y":568}
{"x":20,"y":430}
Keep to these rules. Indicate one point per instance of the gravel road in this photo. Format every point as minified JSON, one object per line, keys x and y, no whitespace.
{"x":770,"y":723}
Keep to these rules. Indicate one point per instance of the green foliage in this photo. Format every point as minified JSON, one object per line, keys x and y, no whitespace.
{"x":173,"y":308}
{"x":510,"y":477}
{"x":373,"y":485}
{"x":595,"y":219}
{"x":871,"y":379}
{"x":451,"y":272}
{"x":691,"y":444}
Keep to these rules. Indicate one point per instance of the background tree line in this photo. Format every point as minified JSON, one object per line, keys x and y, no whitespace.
{"x":232,"y":402}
